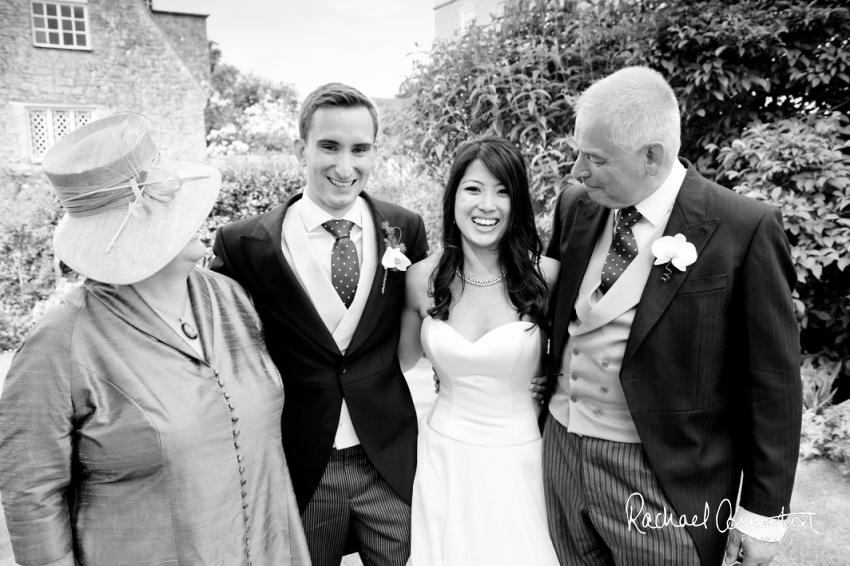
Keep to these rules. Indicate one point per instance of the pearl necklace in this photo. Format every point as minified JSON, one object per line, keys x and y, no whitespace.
{"x":476,"y":282}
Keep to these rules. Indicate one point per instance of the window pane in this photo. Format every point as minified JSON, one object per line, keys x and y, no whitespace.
{"x":52,"y":23}
{"x":38,"y":23}
{"x":54,"y":38}
{"x":80,"y":25}
{"x":68,"y":38}
{"x":67,"y":25}
{"x":78,"y":12}
{"x":66,"y":11}
{"x":51,"y":9}
{"x":40,"y":37}
{"x":81,"y":40}
{"x":38,"y":8}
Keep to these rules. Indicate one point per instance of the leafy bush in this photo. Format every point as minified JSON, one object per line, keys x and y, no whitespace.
{"x":767,"y":80}
{"x":802,"y":166}
{"x":247,"y":114}
{"x":250,"y":185}
{"x":827,"y":435}
{"x":729,"y":62}
{"x":28,"y":272}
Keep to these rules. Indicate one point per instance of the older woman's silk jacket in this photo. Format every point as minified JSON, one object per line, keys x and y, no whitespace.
{"x":119,"y":444}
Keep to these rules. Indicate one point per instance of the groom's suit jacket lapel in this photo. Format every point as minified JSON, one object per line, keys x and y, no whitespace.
{"x":264,"y":248}
{"x":689,"y":218}
{"x":589,"y":220}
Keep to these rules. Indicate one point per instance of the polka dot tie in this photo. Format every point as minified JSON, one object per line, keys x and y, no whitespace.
{"x":345,"y":269}
{"x":623,"y":248}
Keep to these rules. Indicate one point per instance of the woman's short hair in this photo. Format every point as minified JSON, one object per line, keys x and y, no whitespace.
{"x":637,"y":107}
{"x":336,"y":95}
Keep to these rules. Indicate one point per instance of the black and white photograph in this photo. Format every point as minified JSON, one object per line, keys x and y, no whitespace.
{"x":424,"y":283}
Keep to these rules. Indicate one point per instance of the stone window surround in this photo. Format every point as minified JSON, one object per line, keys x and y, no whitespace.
{"x":75,"y":114}
{"x":467,"y":16}
{"x":58,"y":4}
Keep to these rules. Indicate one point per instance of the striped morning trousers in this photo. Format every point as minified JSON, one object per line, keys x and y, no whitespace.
{"x":351,"y":493}
{"x":588,"y":483}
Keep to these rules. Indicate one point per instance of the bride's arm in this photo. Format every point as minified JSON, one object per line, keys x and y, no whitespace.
{"x":410,"y":344}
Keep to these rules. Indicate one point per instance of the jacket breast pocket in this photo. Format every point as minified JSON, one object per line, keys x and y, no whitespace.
{"x":703,"y":285}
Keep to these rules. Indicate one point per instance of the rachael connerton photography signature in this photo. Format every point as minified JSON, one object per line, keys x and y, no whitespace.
{"x":640,"y":520}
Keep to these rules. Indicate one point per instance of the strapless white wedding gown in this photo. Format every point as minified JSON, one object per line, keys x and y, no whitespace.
{"x":478,"y":493}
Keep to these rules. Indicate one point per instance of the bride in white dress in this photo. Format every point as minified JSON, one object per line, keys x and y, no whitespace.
{"x":473,"y":309}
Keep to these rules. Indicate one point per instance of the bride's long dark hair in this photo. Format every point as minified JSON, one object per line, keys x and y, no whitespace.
{"x":520,"y":247}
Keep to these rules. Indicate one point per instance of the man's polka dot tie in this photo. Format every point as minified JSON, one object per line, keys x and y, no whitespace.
{"x":345,"y":269}
{"x":623,"y":248}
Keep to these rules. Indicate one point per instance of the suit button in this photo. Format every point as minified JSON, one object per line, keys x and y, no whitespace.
{"x":342,"y":369}
{"x":603,"y":389}
{"x":605,"y":363}
{"x":598,"y":411}
{"x":234,"y":419}
{"x":244,"y":494}
{"x":574,"y":376}
{"x":576,"y":352}
{"x":573,"y":398}
{"x":239,"y":457}
{"x":237,"y":445}
{"x":236,"y":432}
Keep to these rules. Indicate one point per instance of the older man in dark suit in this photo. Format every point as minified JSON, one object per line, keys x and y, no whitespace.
{"x":331,"y":312}
{"x":675,"y":345}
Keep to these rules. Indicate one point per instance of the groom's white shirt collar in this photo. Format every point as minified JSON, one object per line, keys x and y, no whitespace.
{"x":657,"y":207}
{"x":313,"y":216}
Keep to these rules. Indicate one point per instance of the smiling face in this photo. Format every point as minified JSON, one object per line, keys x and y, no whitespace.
{"x":338,"y":155}
{"x":482,"y":207}
{"x":614,"y":178}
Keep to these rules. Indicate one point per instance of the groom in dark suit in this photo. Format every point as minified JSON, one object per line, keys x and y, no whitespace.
{"x":675,"y":345}
{"x":331,"y":314}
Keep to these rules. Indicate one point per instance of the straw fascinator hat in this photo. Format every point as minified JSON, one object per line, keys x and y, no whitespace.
{"x":127,"y":213}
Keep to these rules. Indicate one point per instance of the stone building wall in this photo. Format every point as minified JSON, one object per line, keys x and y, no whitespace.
{"x":188,"y":35}
{"x":131,"y":66}
{"x":447,"y":14}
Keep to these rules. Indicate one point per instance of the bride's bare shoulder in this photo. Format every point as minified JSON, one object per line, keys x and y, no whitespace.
{"x":419,"y":274}
{"x":550,"y":268}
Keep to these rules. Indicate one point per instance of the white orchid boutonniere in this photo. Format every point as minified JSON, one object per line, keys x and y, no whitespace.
{"x":394,"y":258}
{"x":675,"y":251}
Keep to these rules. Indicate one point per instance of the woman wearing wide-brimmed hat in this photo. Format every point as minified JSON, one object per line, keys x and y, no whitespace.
{"x":140,"y":420}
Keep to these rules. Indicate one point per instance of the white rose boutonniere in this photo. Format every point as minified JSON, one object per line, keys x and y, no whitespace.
{"x":675,"y":251}
{"x":394,"y":258}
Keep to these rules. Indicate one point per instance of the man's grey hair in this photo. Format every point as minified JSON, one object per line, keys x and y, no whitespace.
{"x":637,"y":107}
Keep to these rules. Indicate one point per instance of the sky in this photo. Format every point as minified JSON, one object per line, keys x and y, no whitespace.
{"x":368,"y":44}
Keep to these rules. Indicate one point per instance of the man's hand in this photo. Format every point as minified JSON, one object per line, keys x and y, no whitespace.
{"x":747,"y":551}
{"x":538,"y":388}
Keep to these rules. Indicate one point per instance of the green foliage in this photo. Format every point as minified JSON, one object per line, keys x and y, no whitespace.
{"x":28,"y":273}
{"x":818,"y":376}
{"x":729,"y":62}
{"x":768,"y":81}
{"x":827,"y":435}
{"x":250,"y":185}
{"x":732,"y":63}
{"x":246,"y":113}
{"x":802,"y":167}
{"x":397,"y":177}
